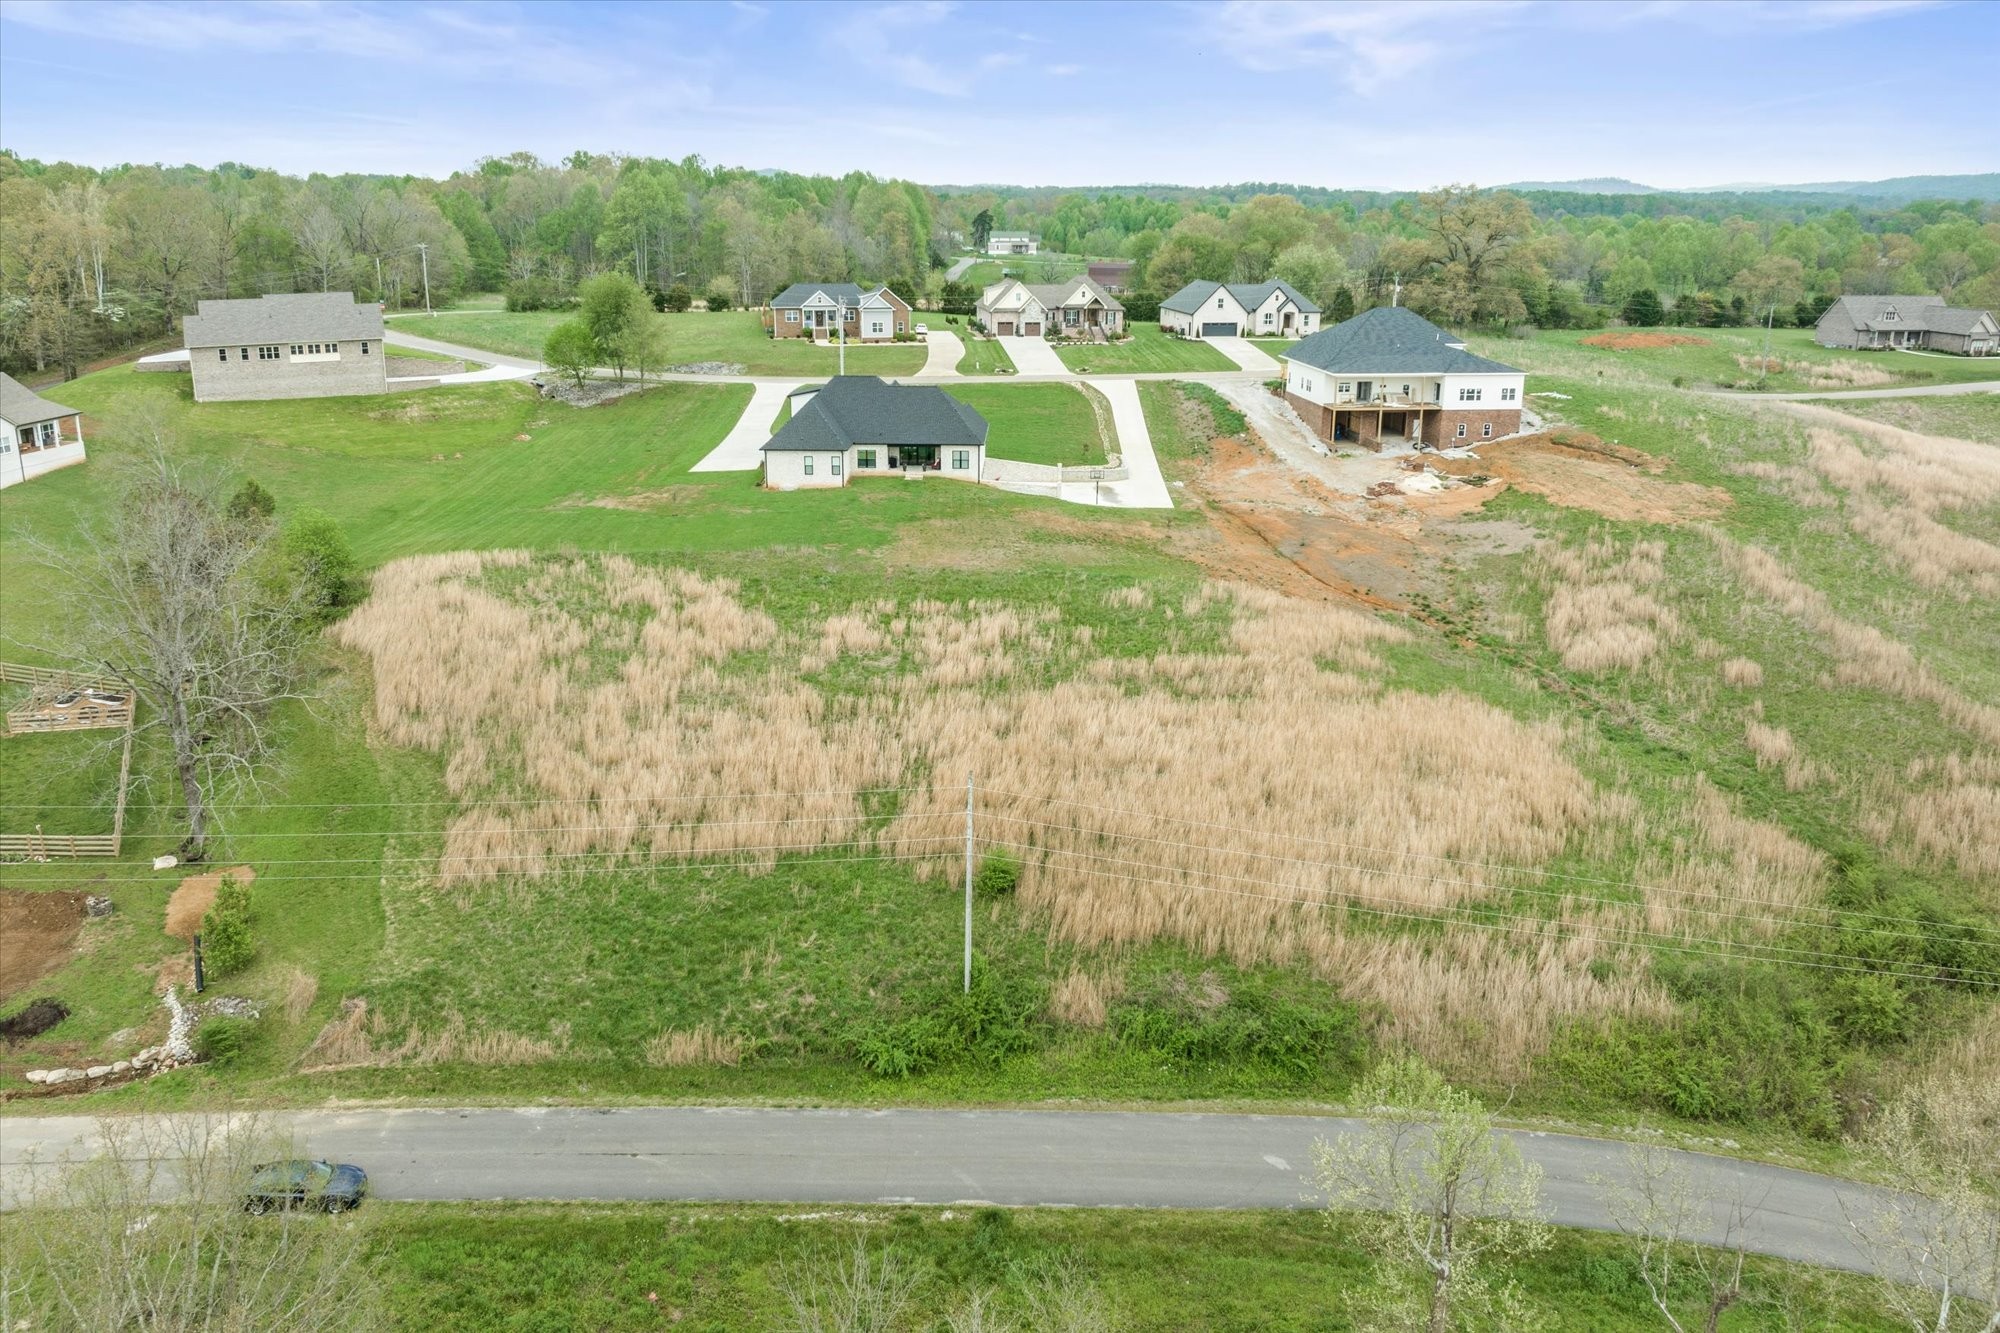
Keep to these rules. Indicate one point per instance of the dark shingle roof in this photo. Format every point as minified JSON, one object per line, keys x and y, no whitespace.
{"x":1391,"y":340}
{"x":844,"y":293}
{"x":22,"y":406}
{"x":282,"y":318}
{"x":1249,"y":295}
{"x":864,"y":409}
{"x":1911,"y":311}
{"x":1954,"y":319}
{"x":1052,"y":295}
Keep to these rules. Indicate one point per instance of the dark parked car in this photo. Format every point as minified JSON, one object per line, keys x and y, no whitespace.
{"x":303,"y":1184}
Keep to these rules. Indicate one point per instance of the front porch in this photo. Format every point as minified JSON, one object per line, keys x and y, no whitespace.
{"x":43,"y":446}
{"x":1374,"y":425}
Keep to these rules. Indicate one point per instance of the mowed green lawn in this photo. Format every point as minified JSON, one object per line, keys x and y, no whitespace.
{"x":733,"y":335}
{"x":1148,"y":349}
{"x":1037,"y":423}
{"x":1807,"y":367}
{"x":984,"y":356}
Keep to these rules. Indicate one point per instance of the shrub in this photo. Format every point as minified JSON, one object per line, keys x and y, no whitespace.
{"x":718,"y":299}
{"x":226,"y":945}
{"x":222,"y":1040}
{"x":658,"y":298}
{"x":678,"y":298}
{"x":946,"y":1025}
{"x":1201,"y":1021}
{"x":1141,"y":309}
{"x":999,"y":873}
{"x":536,"y":294}
{"x":570,"y":350}
{"x":251,"y":503}
{"x":318,"y":564}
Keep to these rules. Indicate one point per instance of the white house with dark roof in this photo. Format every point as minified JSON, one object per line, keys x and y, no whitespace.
{"x":1078,"y":308}
{"x":1012,"y":243}
{"x":1389,"y":376}
{"x":36,"y":435}
{"x":294,"y":345}
{"x":1239,"y":310}
{"x":862,"y":426}
{"x":820,"y":309}
{"x":1923,"y":323}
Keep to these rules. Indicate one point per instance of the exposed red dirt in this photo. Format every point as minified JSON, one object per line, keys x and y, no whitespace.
{"x":37,"y":935}
{"x":195,"y":896}
{"x":1639,"y":342}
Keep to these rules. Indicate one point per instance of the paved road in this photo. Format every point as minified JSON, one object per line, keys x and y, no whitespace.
{"x":958,"y":270}
{"x":1061,"y":1158}
{"x":1922,"y":391}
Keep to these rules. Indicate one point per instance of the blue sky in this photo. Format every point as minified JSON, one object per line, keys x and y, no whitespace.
{"x":1360,"y":95}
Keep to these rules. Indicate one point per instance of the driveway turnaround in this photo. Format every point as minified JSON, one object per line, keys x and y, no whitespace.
{"x":1063,"y":1158}
{"x":1247,"y":355}
{"x":942,"y":351}
{"x":1034,"y":356}
{"x":742,"y":449}
{"x":1145,"y":488}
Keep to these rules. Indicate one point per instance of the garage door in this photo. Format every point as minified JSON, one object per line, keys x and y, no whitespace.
{"x":1218,"y":330}
{"x":1032,"y":330}
{"x":1006,"y":327}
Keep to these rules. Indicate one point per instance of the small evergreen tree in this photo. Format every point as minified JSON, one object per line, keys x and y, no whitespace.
{"x":1343,"y":305}
{"x":1643,"y":309}
{"x":318,"y":564}
{"x":679,"y":298}
{"x":226,"y":946}
{"x":251,"y":503}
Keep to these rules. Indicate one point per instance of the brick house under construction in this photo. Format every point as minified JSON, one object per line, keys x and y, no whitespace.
{"x":1390,"y":376}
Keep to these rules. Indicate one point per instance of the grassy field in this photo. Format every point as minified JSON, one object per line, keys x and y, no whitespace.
{"x":1727,"y":358}
{"x":736,"y":336}
{"x":1971,"y":416}
{"x":984,"y":356}
{"x":703,"y":1267}
{"x":1039,"y":423}
{"x":1148,"y":349}
{"x":1644,"y":707}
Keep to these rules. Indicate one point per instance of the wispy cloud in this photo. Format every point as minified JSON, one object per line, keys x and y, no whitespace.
{"x":1065,"y":71}
{"x":1367,"y":44}
{"x":884,"y":39}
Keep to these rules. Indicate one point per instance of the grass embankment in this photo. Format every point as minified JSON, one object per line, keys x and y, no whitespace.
{"x":1970,"y":416}
{"x":713,"y":1268}
{"x":1148,"y":349}
{"x":1728,"y":358}
{"x":1037,"y":423}
{"x":983,"y":356}
{"x":735,"y":336}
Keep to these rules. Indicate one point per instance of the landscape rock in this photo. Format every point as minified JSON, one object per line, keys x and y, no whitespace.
{"x":707,"y":368}
{"x":38,"y":1076}
{"x":97,"y":1071}
{"x":97,"y":904}
{"x":121,"y":1066}
{"x":64,"y":1076}
{"x":177,"y":1049}
{"x":229,"y":1006}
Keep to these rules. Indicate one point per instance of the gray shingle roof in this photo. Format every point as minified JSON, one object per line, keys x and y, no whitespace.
{"x":22,"y":406}
{"x":1391,"y":340}
{"x":843,"y":293}
{"x":864,"y":409}
{"x":1190,"y":299}
{"x":1052,"y":295}
{"x":290,"y":317}
{"x":1954,"y":319}
{"x":1911,"y":311}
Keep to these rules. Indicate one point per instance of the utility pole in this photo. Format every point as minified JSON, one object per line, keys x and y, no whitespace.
{"x":1764,"y":364}
{"x":378,"y":277}
{"x":1396,"y":296}
{"x":424,"y":254}
{"x":968,"y":883}
{"x":840,"y":332}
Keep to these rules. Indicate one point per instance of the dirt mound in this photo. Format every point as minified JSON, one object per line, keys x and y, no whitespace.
{"x":195,"y":896}
{"x":37,"y":935}
{"x":1577,"y":470}
{"x":37,"y":1018}
{"x":1641,"y":342}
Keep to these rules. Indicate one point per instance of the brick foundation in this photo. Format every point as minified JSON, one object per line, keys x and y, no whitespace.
{"x":1441,"y":428}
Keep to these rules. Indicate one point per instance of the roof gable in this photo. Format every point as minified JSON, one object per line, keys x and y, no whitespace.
{"x":865,"y":409}
{"x":1391,"y":340}
{"x":802,"y":293}
{"x":22,"y":406}
{"x":281,"y":318}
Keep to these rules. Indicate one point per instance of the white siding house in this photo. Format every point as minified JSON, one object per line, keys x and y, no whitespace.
{"x":1239,"y":310}
{"x":36,"y":435}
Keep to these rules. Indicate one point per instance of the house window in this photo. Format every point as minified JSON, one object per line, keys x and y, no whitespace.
{"x":298,"y":349}
{"x":333,"y":348}
{"x":1508,"y":395}
{"x":364,"y":349}
{"x":961,"y":459}
{"x":1469,"y":395}
{"x":791,"y":317}
{"x":847,"y":316}
{"x":875,"y":328}
{"x":864,"y":458}
{"x":1347,"y":387}
{"x":1218,"y":303}
{"x":809,"y":458}
{"x":268,"y":353}
{"x":245,"y":354}
{"x":222,"y":353}
{"x":833,"y":465}
{"x":1267,"y":317}
{"x":1486,"y":431}
{"x":1461,"y":432}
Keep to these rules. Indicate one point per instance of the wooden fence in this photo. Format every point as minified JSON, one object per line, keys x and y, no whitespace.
{"x":41,"y":845}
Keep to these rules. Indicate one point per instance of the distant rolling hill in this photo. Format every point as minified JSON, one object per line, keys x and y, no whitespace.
{"x":1984,"y":186}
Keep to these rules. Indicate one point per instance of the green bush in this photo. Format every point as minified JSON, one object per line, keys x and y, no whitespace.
{"x":319,"y":566}
{"x":226,"y":944}
{"x":1250,"y":1022}
{"x":999,"y":874}
{"x":251,"y":503}
{"x":536,"y":294}
{"x":948,"y":1025}
{"x":678,"y":298}
{"x":719,"y":300}
{"x":222,"y":1040}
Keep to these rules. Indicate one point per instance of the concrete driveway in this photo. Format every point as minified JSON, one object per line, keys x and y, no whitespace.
{"x":1034,"y":356}
{"x":1146,"y":488}
{"x":1247,"y":355}
{"x":942,"y":349}
{"x":742,"y":449}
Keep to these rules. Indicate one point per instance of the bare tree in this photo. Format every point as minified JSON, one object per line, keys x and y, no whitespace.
{"x":1441,"y":1200}
{"x":1661,"y":1207}
{"x":151,"y":1234}
{"x":177,"y":600}
{"x":1935,"y":1241}
{"x":864,"y":1294}
{"x":322,"y":242}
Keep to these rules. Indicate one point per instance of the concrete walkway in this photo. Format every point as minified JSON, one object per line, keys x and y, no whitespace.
{"x":1247,"y":355}
{"x":1034,"y":356}
{"x":742,"y":449}
{"x":1048,"y":1158}
{"x":942,"y":351}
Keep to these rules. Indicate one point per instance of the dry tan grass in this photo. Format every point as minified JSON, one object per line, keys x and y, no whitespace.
{"x":1132,"y":598}
{"x":695,"y":1046}
{"x":1600,"y":614}
{"x":1864,"y":655}
{"x":1944,"y":809}
{"x":1742,"y":673}
{"x":1836,"y":374}
{"x":361,"y":1037}
{"x":1083,"y":999}
{"x":1724,"y":875}
{"x":1771,"y":745}
{"x":301,"y":989}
